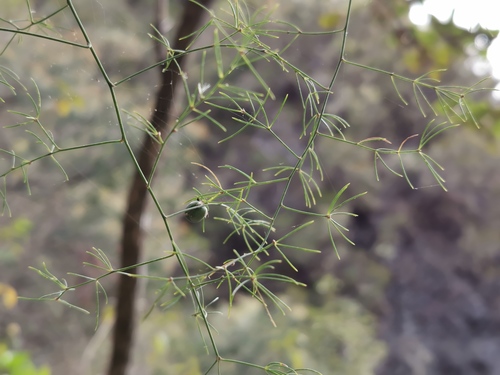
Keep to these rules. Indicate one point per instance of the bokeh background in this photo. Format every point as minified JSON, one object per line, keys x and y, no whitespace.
{"x":417,"y":294}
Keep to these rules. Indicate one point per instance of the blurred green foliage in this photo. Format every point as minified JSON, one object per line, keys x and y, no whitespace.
{"x":13,"y":238}
{"x":335,"y":337}
{"x":338,"y":334}
{"x":13,"y":362}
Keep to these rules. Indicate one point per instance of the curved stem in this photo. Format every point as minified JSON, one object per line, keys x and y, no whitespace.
{"x":131,"y":242}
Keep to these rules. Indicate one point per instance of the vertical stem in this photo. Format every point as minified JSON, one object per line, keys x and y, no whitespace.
{"x":131,"y":242}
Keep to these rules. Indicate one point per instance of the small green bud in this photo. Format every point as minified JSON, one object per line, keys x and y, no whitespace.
{"x":196,"y":211}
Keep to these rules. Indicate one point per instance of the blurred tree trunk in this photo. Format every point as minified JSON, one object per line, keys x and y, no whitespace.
{"x":131,"y":242}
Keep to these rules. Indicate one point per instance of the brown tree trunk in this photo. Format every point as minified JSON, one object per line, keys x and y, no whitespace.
{"x":131,"y":242}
